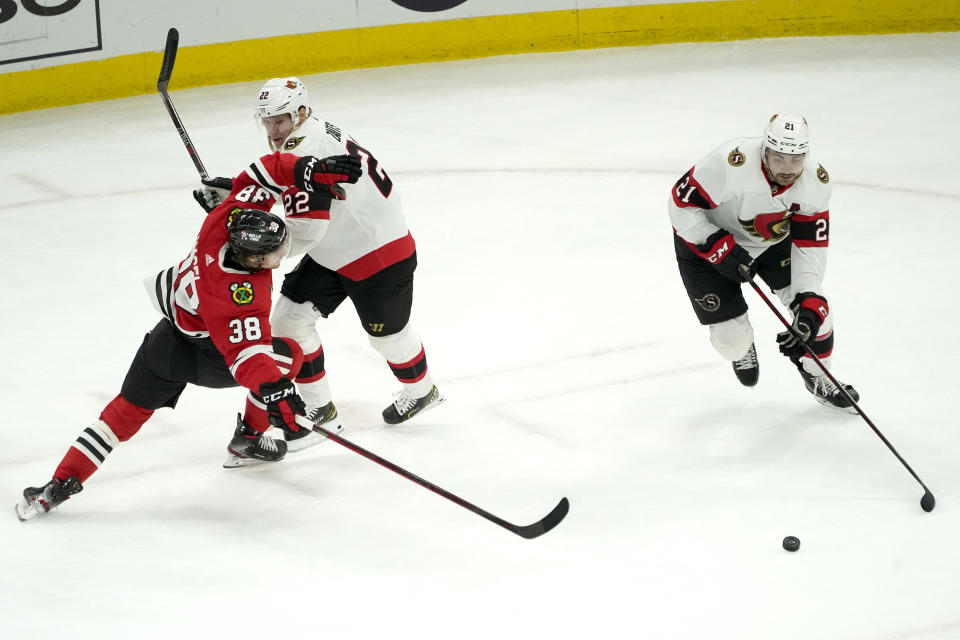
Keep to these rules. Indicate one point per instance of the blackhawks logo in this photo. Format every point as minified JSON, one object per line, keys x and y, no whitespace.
{"x":736,"y":158}
{"x":241,"y":292}
{"x":292,"y":143}
{"x":233,"y":214}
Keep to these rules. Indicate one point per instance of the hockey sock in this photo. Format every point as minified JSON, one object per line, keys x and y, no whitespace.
{"x":88,"y":452}
{"x":118,"y":422}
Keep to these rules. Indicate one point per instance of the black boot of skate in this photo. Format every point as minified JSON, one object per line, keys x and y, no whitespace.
{"x":747,"y":368}
{"x":249,"y":446}
{"x":828,"y":394}
{"x":38,"y":501}
{"x":406,"y":406}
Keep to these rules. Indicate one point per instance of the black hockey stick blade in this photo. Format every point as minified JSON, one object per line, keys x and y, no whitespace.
{"x":529,"y":531}
{"x":169,"y":57}
{"x":547,"y":523}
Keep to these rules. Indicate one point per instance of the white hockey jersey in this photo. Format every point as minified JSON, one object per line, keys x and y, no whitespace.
{"x":367,"y":231}
{"x":729,"y":189}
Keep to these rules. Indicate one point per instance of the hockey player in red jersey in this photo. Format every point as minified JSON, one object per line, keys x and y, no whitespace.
{"x":364,"y":252}
{"x":215,"y":333}
{"x":759,"y":207}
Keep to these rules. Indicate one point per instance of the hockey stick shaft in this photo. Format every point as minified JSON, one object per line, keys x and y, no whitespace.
{"x":534,"y":530}
{"x":846,"y":394}
{"x":166,"y":70}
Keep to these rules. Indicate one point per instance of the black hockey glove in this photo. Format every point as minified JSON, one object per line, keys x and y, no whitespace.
{"x":213,"y":192}
{"x":321,"y":175}
{"x":283,"y":403}
{"x":809,"y":311}
{"x":729,"y":258}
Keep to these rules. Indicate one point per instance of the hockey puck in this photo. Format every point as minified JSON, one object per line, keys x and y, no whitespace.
{"x":791,"y":543}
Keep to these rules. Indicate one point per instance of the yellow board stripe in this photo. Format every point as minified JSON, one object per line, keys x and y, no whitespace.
{"x":260,"y":59}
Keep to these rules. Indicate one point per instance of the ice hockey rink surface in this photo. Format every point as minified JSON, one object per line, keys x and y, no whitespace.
{"x":555,"y":323}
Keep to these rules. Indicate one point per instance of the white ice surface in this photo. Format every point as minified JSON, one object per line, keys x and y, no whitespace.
{"x":554,"y":320}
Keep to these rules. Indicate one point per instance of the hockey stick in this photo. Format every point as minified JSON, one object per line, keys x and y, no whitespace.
{"x":166,"y":70}
{"x":529,"y":531}
{"x":927,"y":502}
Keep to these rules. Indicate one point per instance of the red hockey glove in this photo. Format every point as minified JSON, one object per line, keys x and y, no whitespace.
{"x":729,"y":258}
{"x":283,"y":403}
{"x":809,"y":311}
{"x":319,"y":174}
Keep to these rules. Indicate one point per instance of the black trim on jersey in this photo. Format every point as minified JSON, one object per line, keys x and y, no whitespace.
{"x":806,"y":230}
{"x":686,"y":193}
{"x":264,"y":182}
{"x":163,"y":292}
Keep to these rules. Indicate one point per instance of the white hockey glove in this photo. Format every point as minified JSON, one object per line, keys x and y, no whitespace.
{"x":213,"y":192}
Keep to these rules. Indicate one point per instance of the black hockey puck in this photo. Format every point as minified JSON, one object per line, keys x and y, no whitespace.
{"x":791,"y":543}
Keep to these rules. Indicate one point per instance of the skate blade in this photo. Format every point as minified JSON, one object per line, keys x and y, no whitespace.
{"x":235,"y":462}
{"x":849,"y":409}
{"x":313,"y":439}
{"x":440,"y":400}
{"x":26,"y":510}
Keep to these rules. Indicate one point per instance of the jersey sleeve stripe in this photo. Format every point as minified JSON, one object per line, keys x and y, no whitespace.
{"x":163,"y":293}
{"x":260,"y":174}
{"x":811,"y":230}
{"x":248,"y":353}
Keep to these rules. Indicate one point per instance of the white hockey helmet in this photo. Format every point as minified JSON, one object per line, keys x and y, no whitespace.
{"x":786,"y":133}
{"x":282,"y":95}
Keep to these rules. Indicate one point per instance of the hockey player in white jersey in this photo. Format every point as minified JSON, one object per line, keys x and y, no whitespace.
{"x":759,"y":207}
{"x":364,"y":251}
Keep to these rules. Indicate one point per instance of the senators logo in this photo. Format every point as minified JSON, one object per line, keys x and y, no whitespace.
{"x":822,"y":174}
{"x":709,"y":302}
{"x":736,"y":158}
{"x":768,"y":227}
{"x":291,"y":84}
{"x":292,"y":143}
{"x":241,"y":293}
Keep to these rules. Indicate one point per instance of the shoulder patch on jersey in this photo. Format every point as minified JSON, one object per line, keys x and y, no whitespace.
{"x":292,"y":143}
{"x":736,"y":158}
{"x":208,"y":259}
{"x":822,"y":174}
{"x":332,"y":130}
{"x":241,"y":292}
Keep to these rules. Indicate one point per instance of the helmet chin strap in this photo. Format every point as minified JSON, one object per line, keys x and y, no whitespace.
{"x":236,"y":260}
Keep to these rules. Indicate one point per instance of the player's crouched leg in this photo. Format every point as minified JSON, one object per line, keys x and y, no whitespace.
{"x":733,"y":339}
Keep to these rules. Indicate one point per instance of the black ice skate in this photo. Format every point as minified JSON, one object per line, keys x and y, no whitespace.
{"x":38,"y":501}
{"x":249,"y":446}
{"x":747,"y":368}
{"x":325,"y":416}
{"x":406,"y":406}
{"x":828,"y":394}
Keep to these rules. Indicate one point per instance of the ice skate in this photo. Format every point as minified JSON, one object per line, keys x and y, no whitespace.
{"x":38,"y":501}
{"x":406,"y":406}
{"x":828,"y":394}
{"x":326,"y":417}
{"x":747,"y":368}
{"x":249,"y":446}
